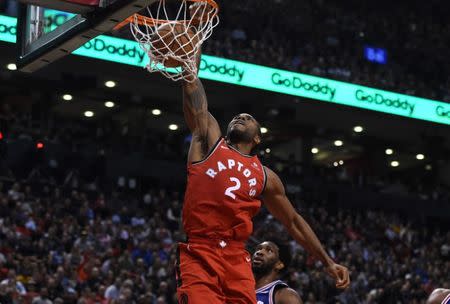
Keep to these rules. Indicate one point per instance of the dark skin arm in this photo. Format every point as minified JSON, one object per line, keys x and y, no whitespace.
{"x":281,"y":208}
{"x":204,"y":127}
{"x":287,"y":296}
{"x":437,"y":296}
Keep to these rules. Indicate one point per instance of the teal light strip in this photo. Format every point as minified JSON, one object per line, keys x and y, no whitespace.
{"x":8,"y":29}
{"x":264,"y":78}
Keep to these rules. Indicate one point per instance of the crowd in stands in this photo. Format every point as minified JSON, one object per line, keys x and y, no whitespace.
{"x":60,"y":244}
{"x":392,"y":258}
{"x":70,"y":243}
{"x":84,"y":247}
{"x":327,"y":38}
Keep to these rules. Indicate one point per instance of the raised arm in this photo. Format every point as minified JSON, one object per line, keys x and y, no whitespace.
{"x":204,"y":127}
{"x":278,"y":204}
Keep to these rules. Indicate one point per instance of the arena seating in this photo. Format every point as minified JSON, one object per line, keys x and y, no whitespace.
{"x":60,"y":244}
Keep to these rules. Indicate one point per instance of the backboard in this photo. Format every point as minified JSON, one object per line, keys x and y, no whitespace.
{"x":48,"y":30}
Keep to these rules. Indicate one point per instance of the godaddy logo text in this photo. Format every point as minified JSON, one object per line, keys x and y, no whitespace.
{"x":380,"y":99}
{"x":55,"y":20}
{"x":443,"y":112}
{"x":300,"y":84}
{"x":223,"y":69}
{"x":124,"y":49}
{"x":8,"y":29}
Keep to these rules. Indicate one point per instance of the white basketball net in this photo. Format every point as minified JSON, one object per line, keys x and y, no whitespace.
{"x":193,"y":27}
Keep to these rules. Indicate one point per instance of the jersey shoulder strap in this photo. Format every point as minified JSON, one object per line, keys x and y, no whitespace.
{"x":276,"y":288}
{"x":211,"y":152}
{"x":446,"y":299}
{"x":270,"y":286}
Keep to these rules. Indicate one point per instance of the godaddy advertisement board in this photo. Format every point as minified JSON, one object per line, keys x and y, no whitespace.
{"x":318,"y":88}
{"x":8,"y":29}
{"x":264,"y":78}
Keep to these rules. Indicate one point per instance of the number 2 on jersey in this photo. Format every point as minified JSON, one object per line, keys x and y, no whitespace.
{"x":237,"y":186}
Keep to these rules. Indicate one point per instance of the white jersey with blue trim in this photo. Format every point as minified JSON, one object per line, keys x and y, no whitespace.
{"x":446,"y":300}
{"x":266,"y":294}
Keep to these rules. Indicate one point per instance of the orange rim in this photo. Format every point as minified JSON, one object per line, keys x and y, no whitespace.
{"x":143,"y":20}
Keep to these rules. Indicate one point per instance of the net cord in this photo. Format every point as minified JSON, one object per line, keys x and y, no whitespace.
{"x":194,"y":30}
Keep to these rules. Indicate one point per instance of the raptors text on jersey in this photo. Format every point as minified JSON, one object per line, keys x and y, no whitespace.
{"x":223,"y":194}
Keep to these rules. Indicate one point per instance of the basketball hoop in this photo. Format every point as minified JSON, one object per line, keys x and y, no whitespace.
{"x":190,"y":26}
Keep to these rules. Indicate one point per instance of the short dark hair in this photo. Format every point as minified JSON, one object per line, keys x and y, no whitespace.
{"x":284,"y":253}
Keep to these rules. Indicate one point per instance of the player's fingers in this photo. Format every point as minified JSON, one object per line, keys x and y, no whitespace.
{"x":342,"y":284}
{"x":339,"y":275}
{"x":347,"y":279}
{"x":344,"y":281}
{"x":196,"y":5}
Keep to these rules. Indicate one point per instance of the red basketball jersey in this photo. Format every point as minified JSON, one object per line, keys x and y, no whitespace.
{"x":222,"y":194}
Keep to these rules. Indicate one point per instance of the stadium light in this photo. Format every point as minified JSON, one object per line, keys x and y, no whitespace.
{"x":11,"y":66}
{"x":173,"y":127}
{"x":335,"y":164}
{"x":341,"y":162}
{"x":358,"y":129}
{"x":389,"y":151}
{"x":110,"y":84}
{"x":338,"y":143}
{"x":395,"y":163}
{"x":89,"y":114}
{"x":268,"y":150}
{"x":67,"y":97}
{"x":264,"y":130}
{"x":428,"y":167}
{"x":156,"y":112}
{"x":109,"y":104}
{"x":314,"y":150}
{"x":420,"y":156}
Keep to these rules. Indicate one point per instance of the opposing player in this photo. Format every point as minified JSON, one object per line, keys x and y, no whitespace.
{"x":225,"y":186}
{"x":268,"y":262}
{"x":439,"y":296}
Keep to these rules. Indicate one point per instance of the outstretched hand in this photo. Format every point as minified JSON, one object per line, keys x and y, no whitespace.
{"x":340,"y":274}
{"x":200,"y":11}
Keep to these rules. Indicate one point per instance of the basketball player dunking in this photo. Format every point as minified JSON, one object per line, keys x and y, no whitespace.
{"x":269,"y":261}
{"x":225,"y":186}
{"x":439,"y":296}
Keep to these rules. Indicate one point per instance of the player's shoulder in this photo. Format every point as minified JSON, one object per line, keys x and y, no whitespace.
{"x":200,"y":158}
{"x":274,"y":185}
{"x":287,"y":295}
{"x":439,"y":296}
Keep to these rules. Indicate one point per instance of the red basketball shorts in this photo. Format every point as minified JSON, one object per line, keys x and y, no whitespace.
{"x":214,"y":272}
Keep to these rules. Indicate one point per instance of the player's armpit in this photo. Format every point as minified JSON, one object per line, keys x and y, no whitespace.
{"x":287,"y":296}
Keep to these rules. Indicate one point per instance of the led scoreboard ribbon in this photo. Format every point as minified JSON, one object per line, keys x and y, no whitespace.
{"x":265,"y":78}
